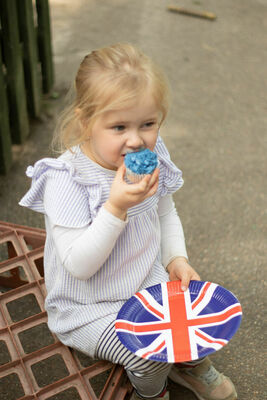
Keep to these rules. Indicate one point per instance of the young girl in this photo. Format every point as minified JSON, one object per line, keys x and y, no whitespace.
{"x":108,"y":238}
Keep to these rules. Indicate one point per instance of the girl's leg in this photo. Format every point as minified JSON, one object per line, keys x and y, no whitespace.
{"x":147,"y":377}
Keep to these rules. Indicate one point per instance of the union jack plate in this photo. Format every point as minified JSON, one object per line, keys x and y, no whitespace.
{"x":163,"y":323}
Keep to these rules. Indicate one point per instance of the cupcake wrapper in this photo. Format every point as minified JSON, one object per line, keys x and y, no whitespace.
{"x":132,"y":177}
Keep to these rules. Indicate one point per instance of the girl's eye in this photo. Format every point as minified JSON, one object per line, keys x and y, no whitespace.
{"x":118,"y":128}
{"x":149,"y":124}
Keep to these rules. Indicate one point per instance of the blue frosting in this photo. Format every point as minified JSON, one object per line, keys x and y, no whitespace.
{"x":141,"y":162}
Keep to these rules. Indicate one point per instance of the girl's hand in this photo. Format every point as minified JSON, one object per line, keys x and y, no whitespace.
{"x":123,"y":196}
{"x":180,"y":269}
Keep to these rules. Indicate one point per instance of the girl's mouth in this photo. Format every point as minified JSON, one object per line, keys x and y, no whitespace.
{"x":134,"y":151}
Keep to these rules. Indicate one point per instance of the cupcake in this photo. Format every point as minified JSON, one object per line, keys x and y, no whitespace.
{"x":139,"y":164}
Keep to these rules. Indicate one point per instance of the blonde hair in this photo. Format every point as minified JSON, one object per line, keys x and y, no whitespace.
{"x":109,"y":79}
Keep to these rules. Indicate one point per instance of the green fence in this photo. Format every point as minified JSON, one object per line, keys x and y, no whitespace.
{"x":26,"y":69}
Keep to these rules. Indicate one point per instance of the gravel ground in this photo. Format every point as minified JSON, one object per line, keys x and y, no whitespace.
{"x":216,"y":133}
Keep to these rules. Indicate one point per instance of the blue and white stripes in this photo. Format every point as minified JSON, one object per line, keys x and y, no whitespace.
{"x":70,"y":191}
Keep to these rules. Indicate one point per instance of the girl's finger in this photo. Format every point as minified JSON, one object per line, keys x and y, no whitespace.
{"x":155,"y":173}
{"x":153,"y":189}
{"x":154,"y":177}
{"x":149,"y":181}
{"x":139,"y":187}
{"x":121,"y":172}
{"x":185,"y":282}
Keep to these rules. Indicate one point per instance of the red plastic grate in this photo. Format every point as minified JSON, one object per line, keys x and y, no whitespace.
{"x":33,"y":363}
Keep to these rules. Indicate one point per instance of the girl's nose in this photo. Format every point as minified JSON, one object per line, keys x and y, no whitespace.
{"x":134,"y":140}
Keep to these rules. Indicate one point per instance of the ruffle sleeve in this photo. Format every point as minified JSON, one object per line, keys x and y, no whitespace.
{"x":58,"y":192}
{"x":170,"y":179}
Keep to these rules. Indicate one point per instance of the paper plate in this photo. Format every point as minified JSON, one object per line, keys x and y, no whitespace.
{"x":163,"y":323}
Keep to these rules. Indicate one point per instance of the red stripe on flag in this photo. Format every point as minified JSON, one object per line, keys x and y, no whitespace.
{"x":201,"y":296}
{"x":215,"y":319}
{"x":148,"y":305}
{"x":154,"y":326}
{"x":155,"y":350}
{"x":178,"y":317}
{"x":209,"y":340}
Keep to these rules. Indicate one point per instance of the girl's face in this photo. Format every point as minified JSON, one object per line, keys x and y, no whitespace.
{"x":116,"y":133}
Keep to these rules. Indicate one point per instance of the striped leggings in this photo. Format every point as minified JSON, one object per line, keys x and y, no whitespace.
{"x":147,"y":377}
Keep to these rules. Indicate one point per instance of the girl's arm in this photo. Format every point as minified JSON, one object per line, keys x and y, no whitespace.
{"x":172,"y":234}
{"x":173,"y":249}
{"x":83,"y":251}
